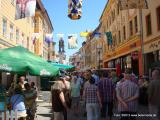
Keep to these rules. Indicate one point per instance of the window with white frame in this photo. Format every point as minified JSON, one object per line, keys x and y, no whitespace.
{"x":4,"y":27}
{"x":17,"y":35}
{"x":11,"y":32}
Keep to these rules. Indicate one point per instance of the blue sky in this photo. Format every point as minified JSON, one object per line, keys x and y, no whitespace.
{"x":58,"y":11}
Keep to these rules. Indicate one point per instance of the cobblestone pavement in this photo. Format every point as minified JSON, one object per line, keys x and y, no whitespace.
{"x":44,"y":111}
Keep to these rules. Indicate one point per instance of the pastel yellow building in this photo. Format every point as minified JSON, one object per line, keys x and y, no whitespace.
{"x":125,"y":50}
{"x":43,"y":26}
{"x":128,"y":49}
{"x":14,"y":32}
{"x":151,"y":33}
{"x":20,"y":32}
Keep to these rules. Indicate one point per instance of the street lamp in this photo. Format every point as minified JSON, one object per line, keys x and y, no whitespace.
{"x":99,"y":62}
{"x":99,"y":55}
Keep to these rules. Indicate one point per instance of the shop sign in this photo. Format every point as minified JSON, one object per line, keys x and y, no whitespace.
{"x":5,"y":67}
{"x":155,"y":45}
{"x":44,"y":72}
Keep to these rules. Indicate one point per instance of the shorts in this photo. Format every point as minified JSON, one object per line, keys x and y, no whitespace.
{"x":75,"y":101}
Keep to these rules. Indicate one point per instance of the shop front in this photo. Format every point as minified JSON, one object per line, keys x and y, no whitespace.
{"x":128,"y":56}
{"x":151,"y":53}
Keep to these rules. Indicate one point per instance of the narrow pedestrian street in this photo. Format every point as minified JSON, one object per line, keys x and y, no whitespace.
{"x":79,"y":60}
{"x":44,"y":111}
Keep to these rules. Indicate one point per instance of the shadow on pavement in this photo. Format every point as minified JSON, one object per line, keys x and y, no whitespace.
{"x":45,"y":115}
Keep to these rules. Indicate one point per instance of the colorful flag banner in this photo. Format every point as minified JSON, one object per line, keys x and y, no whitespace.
{"x":74,"y":9}
{"x":84,"y":34}
{"x":49,"y":38}
{"x":61,"y":43}
{"x":109,"y":38}
{"x":97,"y":35}
{"x":133,"y":4}
{"x":60,"y":35}
{"x":35,"y":36}
{"x":72,"y":41}
{"x":25,"y":8}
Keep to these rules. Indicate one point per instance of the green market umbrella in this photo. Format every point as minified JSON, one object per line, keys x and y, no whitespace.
{"x":62,"y":66}
{"x":20,"y":60}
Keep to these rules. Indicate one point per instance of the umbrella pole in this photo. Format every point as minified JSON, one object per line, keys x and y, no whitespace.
{"x":15,"y":80}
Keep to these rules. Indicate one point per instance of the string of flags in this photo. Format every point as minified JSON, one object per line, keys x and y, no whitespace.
{"x":36,"y":36}
{"x":49,"y":38}
{"x":26,"y":8}
{"x":72,"y":41}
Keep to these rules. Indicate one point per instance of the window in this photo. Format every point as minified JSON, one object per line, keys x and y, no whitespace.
{"x":136,"y":24}
{"x":148,"y":25}
{"x":117,"y":9}
{"x":131,"y":28}
{"x":113,"y":15}
{"x":17,"y":35}
{"x":4,"y":27}
{"x":119,"y":35}
{"x":114,"y":40}
{"x":158,"y":18}
{"x":13,"y":2}
{"x":124,"y":32}
{"x":23,"y":39}
{"x":28,"y":43}
{"x":11,"y":32}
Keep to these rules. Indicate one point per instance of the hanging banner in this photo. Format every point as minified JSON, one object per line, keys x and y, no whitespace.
{"x":61,"y":43}
{"x":35,"y":36}
{"x":25,"y":8}
{"x":84,"y":34}
{"x":97,"y":35}
{"x":109,"y":38}
{"x":133,"y":4}
{"x":72,"y":41}
{"x":74,"y":9}
{"x":49,"y":38}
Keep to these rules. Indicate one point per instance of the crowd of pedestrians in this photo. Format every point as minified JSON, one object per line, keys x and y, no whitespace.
{"x":22,"y":98}
{"x":106,"y":95}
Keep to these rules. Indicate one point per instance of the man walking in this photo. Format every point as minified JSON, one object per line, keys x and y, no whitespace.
{"x":127,"y":95}
{"x":154,"y":93}
{"x":106,"y":90}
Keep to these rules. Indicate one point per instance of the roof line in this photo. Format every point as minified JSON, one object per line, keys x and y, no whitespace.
{"x":45,"y":13}
{"x":104,"y":9}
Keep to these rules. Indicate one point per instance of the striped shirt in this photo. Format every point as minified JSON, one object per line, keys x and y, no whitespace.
{"x":126,"y":90}
{"x":106,"y":89}
{"x":91,"y":93}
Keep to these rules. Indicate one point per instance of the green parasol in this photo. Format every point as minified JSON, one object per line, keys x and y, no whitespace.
{"x":20,"y":60}
{"x":62,"y":66}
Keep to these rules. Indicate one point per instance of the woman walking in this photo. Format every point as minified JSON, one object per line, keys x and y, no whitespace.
{"x":58,"y":100}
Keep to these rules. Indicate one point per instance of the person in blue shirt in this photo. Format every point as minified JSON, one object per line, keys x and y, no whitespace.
{"x":17,"y":101}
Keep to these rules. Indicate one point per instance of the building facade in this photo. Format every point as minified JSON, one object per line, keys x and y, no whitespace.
{"x":20,"y":32}
{"x":75,"y":60}
{"x":128,"y":48}
{"x":125,"y":50}
{"x":43,"y":26}
{"x":14,"y":32}
{"x":151,"y":34}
